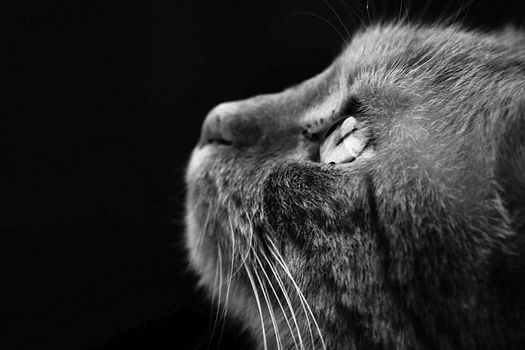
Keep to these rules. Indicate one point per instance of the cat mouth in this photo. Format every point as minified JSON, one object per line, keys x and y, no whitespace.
{"x":346,"y":141}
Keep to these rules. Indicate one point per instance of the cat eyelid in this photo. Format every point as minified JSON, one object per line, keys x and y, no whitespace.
{"x":351,"y":107}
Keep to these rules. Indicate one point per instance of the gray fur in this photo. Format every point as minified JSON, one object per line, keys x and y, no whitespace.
{"x":419,"y":247}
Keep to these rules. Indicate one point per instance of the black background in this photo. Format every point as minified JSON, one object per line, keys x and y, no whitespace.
{"x":101,"y":105}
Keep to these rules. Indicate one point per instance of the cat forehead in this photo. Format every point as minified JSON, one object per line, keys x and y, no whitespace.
{"x":398,"y":53}
{"x":395,"y":39}
{"x":410,"y":45}
{"x":404,"y":45}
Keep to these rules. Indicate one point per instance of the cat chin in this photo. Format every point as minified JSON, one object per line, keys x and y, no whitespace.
{"x":195,"y":246}
{"x":234,"y":298}
{"x":202,"y":255}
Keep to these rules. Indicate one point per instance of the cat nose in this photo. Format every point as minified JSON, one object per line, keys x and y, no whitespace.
{"x":227,"y":125}
{"x":213,"y":128}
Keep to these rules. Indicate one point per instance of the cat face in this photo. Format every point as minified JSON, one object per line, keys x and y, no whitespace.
{"x":376,"y":205}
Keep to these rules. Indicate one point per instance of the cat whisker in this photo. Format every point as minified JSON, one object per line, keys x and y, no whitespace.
{"x":367,"y":6}
{"x":347,"y":7}
{"x":206,"y":223}
{"x":302,"y":298}
{"x":250,"y":242}
{"x":340,"y":21}
{"x":299,"y":294}
{"x":232,"y":256}
{"x":424,"y":13}
{"x":270,"y":308}
{"x":383,"y":7}
{"x":278,"y":299}
{"x":256,"y":295}
{"x":409,"y":7}
{"x":318,"y":17}
{"x":287,"y":299}
{"x":250,"y":245}
{"x":217,"y":313}
{"x":404,"y":12}
{"x":462,"y":8}
{"x":230,"y":275}
{"x":205,"y":226}
{"x":215,"y":285}
{"x":443,"y":18}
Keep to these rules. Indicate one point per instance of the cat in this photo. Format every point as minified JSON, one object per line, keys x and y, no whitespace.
{"x":377,"y":205}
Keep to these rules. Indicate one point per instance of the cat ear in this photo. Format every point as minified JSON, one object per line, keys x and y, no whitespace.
{"x":510,"y":167}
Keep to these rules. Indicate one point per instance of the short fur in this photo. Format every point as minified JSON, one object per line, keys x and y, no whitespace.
{"x":418,"y":247}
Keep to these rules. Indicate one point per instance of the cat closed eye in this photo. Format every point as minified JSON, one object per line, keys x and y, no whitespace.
{"x":344,"y":143}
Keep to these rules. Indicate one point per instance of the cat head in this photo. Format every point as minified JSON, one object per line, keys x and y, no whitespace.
{"x":378,"y":204}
